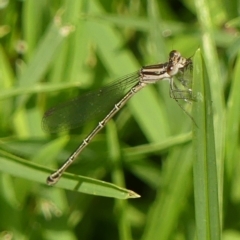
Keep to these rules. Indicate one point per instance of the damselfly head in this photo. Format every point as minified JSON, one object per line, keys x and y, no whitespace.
{"x":174,"y":63}
{"x":177,"y":62}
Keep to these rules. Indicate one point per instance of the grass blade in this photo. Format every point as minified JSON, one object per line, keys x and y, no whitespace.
{"x":34,"y":172}
{"x":205,"y":170}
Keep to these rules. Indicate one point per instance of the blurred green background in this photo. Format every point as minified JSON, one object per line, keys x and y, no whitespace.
{"x":52,"y":51}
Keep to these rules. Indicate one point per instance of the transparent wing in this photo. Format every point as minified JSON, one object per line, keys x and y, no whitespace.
{"x":96,"y":104}
{"x":182,"y":84}
{"x":182,"y":88}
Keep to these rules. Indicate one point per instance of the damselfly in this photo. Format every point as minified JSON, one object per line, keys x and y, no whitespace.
{"x":110,"y":99}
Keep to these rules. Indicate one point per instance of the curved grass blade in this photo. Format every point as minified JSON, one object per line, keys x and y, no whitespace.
{"x":19,"y":167}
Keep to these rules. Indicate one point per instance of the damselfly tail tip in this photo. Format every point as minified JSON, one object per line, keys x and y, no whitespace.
{"x":52,"y":179}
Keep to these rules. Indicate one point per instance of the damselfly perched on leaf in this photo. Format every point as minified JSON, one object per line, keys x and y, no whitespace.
{"x":108,"y":100}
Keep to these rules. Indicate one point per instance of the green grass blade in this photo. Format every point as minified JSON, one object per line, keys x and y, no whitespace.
{"x":205,"y":170}
{"x":34,"y":172}
{"x":121,"y":207}
{"x":206,"y":17}
{"x":41,"y":88}
{"x":233,"y":118}
{"x":47,"y":49}
{"x":172,"y":195}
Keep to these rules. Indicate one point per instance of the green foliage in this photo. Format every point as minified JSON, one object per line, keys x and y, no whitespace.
{"x":51,"y":51}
